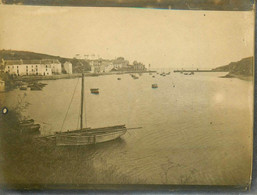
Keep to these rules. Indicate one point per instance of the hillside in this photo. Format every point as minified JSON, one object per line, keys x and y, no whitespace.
{"x":26,"y":55}
{"x":243,"y":67}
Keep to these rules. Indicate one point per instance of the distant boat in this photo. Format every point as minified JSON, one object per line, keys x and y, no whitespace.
{"x":185,"y":73}
{"x":134,"y":76}
{"x":153,"y":76}
{"x":154,"y":85}
{"x":191,"y":73}
{"x":118,"y":78}
{"x":35,"y":88}
{"x":23,"y":88}
{"x":95,"y":74}
{"x":94,"y":90}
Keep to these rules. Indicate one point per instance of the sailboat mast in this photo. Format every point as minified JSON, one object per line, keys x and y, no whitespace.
{"x":82,"y":101}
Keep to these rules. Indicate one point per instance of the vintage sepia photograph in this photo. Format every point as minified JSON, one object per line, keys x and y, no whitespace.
{"x":98,"y":95}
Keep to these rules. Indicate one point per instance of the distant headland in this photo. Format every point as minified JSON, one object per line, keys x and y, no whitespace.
{"x":242,"y":69}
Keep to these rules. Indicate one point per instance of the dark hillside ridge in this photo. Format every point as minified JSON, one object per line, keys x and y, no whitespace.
{"x":243,"y":67}
{"x":27,"y":55}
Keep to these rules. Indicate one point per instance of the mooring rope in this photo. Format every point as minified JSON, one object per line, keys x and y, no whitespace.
{"x":70,"y":104}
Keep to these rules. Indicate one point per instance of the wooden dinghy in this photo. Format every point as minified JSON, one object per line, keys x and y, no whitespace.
{"x":87,"y":136}
{"x":90,"y":136}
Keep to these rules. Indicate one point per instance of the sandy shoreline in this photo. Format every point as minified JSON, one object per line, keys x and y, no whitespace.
{"x":242,"y":77}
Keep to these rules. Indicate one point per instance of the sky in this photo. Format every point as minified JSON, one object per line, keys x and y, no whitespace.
{"x":162,"y":38}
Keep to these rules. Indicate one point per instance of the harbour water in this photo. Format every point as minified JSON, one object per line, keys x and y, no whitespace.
{"x":196,"y":129}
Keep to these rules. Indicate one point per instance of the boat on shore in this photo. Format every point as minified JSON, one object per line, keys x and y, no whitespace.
{"x":36,"y":86}
{"x":28,"y":127}
{"x":26,"y":122}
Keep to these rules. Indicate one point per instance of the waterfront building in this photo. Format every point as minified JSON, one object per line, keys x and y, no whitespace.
{"x":120,"y":63}
{"x":138,"y":66}
{"x":101,"y":65}
{"x":67,"y":66}
{"x":32,"y":67}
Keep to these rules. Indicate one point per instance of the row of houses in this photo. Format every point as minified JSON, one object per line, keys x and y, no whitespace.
{"x":47,"y":67}
{"x":44,"y":67}
{"x":119,"y":64}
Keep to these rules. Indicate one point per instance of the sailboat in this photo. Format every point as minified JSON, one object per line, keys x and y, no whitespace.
{"x":87,"y":136}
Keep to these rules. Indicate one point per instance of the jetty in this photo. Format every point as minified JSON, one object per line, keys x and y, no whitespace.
{"x":198,"y":70}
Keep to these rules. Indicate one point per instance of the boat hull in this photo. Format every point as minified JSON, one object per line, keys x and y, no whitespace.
{"x":90,"y":137}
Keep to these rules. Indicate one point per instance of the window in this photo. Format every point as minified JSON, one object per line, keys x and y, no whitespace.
{"x":8,"y":67}
{"x":17,"y":66}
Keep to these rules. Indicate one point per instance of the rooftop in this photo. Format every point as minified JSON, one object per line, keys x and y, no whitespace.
{"x":20,"y":62}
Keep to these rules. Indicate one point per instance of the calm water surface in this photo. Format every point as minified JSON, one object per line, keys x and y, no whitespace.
{"x":196,"y":129}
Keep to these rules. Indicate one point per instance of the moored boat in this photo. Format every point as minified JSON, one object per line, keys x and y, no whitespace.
{"x":88,"y":136}
{"x":28,"y":127}
{"x":154,"y":85}
{"x":94,"y":91}
{"x":26,"y":122}
{"x":35,"y":88}
{"x":23,"y":88}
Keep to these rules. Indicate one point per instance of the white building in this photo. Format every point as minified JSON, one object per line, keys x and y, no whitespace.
{"x":55,"y":65}
{"x":101,"y":65}
{"x":32,"y":67}
{"x":67,"y":66}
